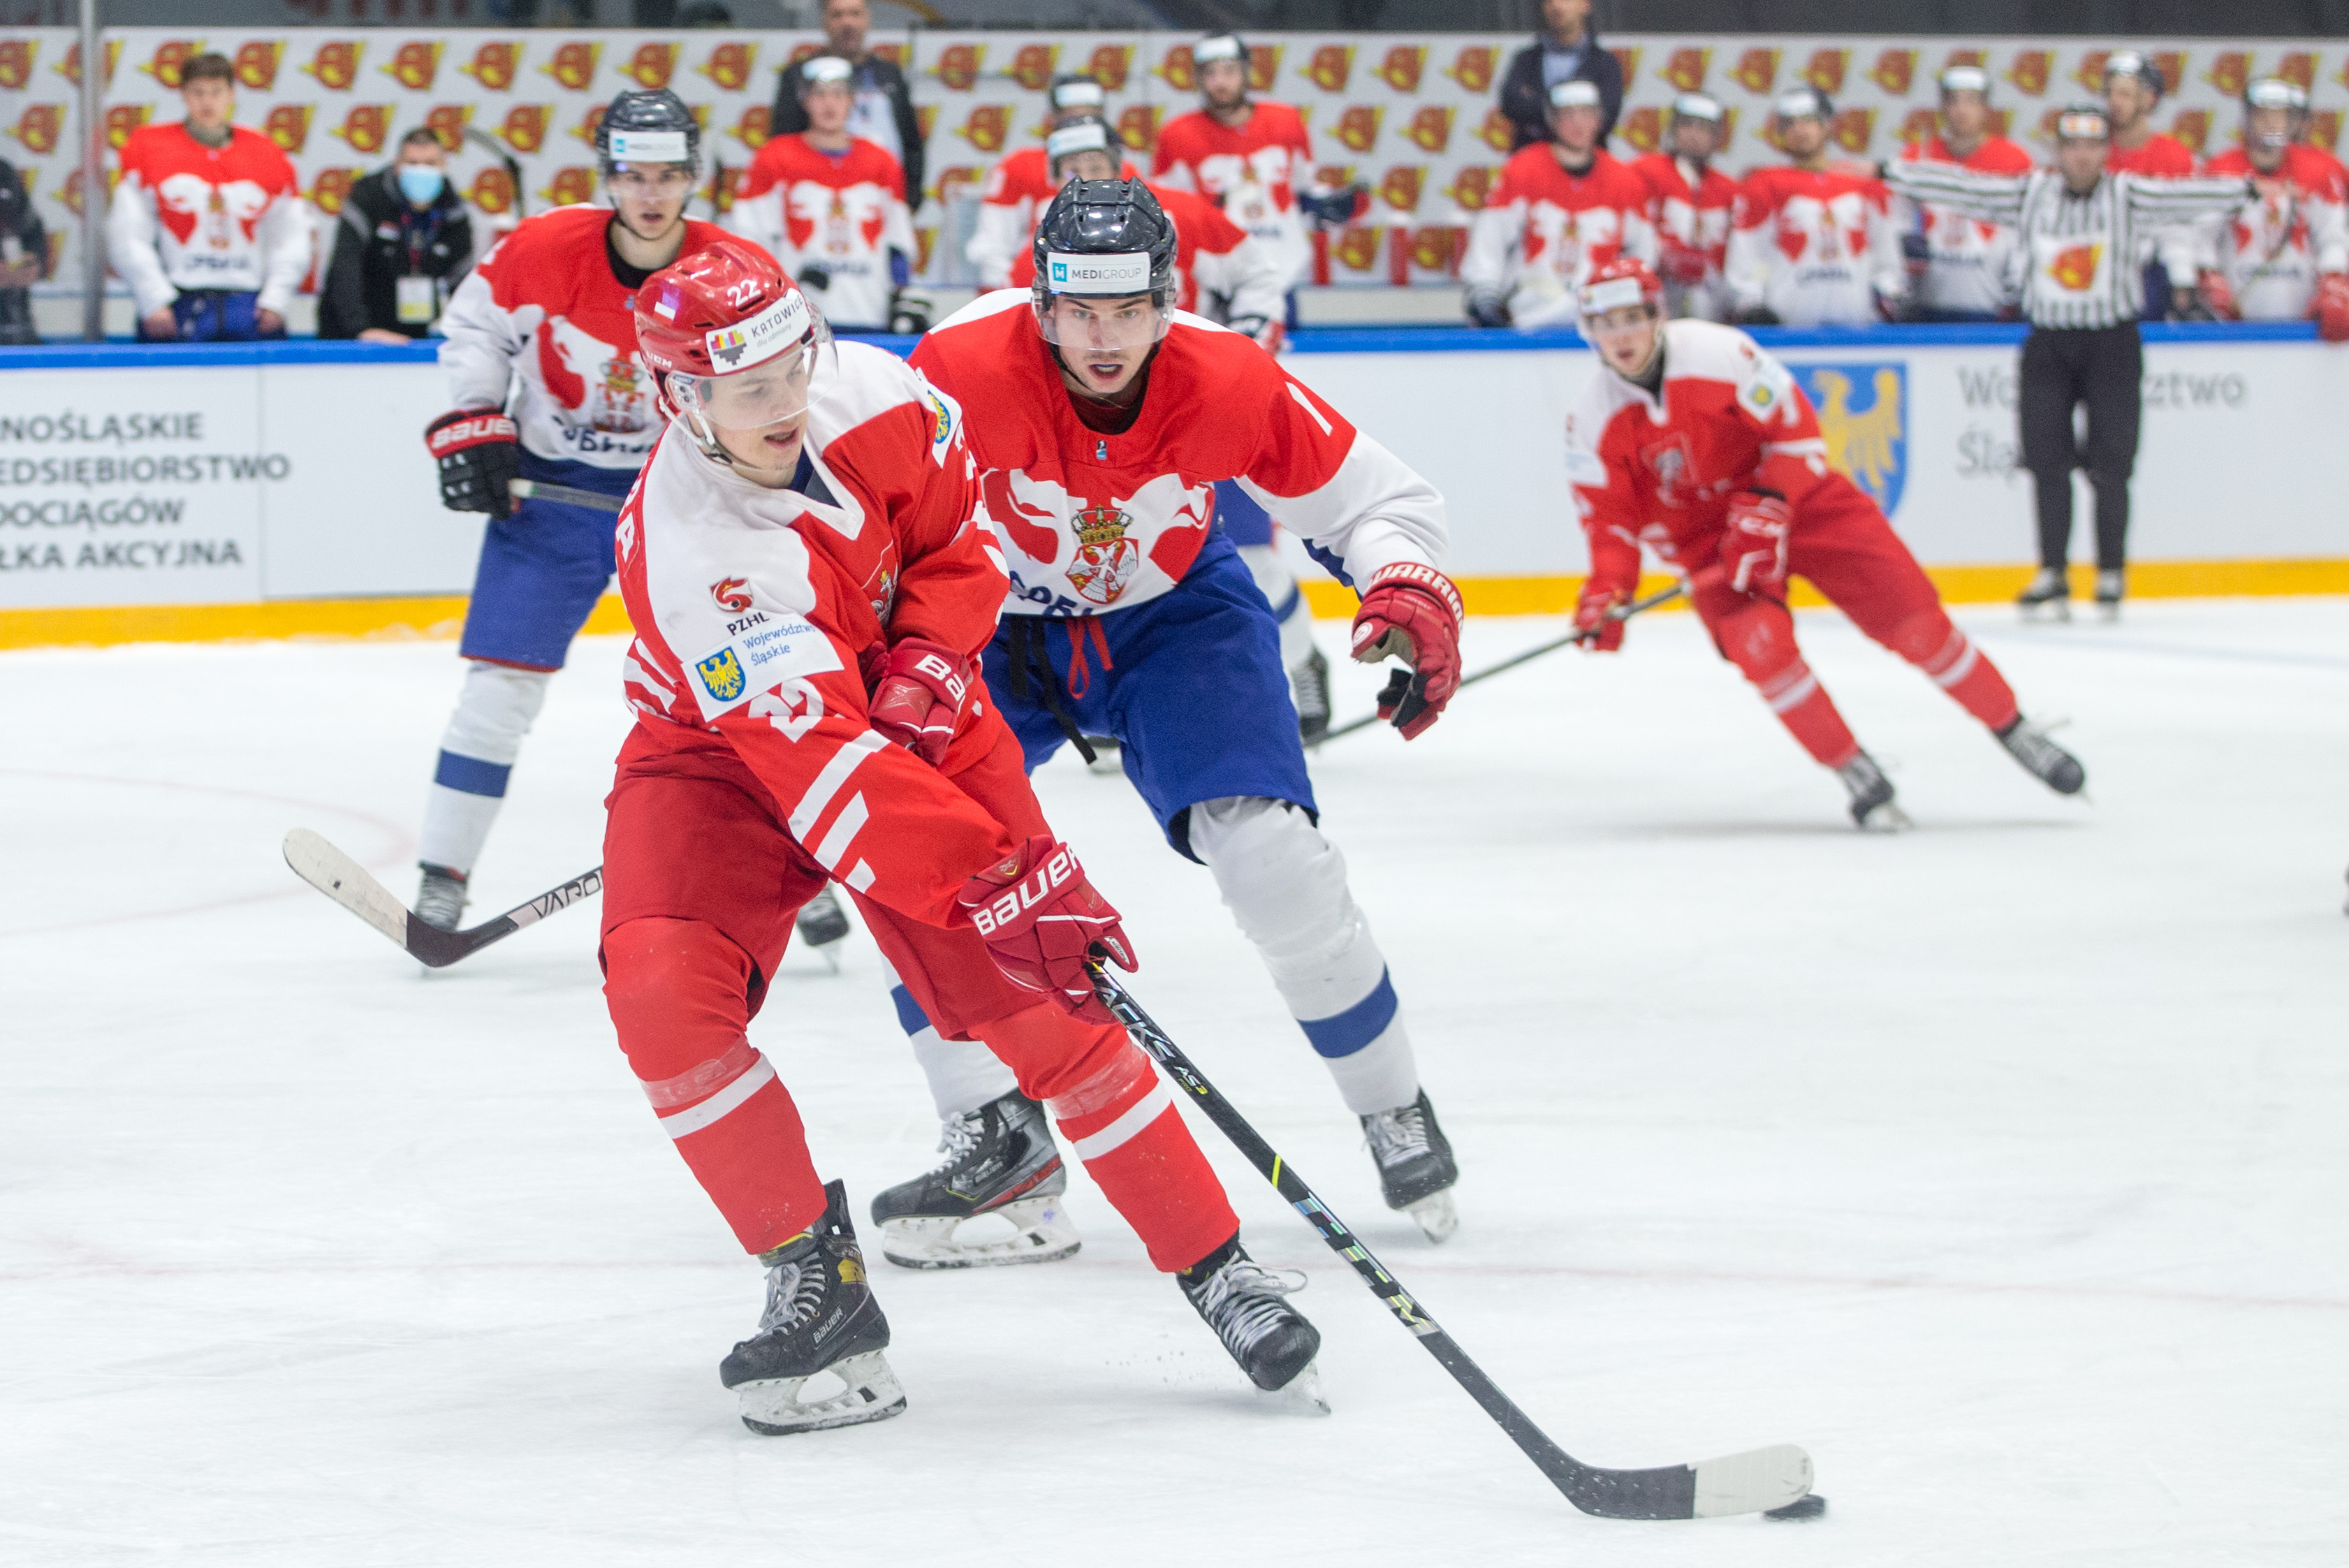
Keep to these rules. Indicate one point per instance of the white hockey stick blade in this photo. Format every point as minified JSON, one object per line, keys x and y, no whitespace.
{"x":1752,"y":1482}
{"x":345,"y":881}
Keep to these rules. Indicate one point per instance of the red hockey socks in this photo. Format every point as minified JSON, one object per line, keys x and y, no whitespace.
{"x":1120,"y":1118}
{"x":679,"y":995}
{"x":1958,"y":667}
{"x":1803,"y":706}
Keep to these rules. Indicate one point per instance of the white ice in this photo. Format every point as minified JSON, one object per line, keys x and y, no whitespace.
{"x":2001,"y":1164}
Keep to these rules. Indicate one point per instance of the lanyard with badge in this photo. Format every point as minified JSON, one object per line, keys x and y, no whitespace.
{"x":416,"y":297}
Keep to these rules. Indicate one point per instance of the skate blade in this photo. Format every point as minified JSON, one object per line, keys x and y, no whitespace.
{"x":1436,"y":1215}
{"x":1885,"y":819}
{"x":772,"y":1407}
{"x":2055,"y":610}
{"x":1301,"y":1396}
{"x":1043,"y":1232}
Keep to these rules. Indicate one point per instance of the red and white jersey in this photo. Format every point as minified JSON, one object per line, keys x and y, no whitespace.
{"x":1093,"y":521}
{"x":1545,"y":227}
{"x":2162,"y":157}
{"x":2273,"y":249}
{"x":1011,"y":204}
{"x":1253,"y":174}
{"x":1213,"y":255}
{"x":1689,"y":207}
{"x":544,"y":318}
{"x":1813,"y":246}
{"x":759,"y":613}
{"x":1970,"y":264}
{"x":839,"y":211}
{"x":1658,"y":470}
{"x":188,"y":216}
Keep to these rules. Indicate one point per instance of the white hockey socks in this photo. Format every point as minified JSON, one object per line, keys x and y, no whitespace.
{"x":1279,"y":587}
{"x":494,"y":710}
{"x":964,"y":1075}
{"x":1286,"y":885}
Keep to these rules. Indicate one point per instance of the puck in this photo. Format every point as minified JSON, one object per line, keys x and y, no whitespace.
{"x":1808,"y":1506}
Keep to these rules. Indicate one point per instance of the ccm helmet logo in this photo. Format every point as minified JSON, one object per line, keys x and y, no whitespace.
{"x":1002,"y":911}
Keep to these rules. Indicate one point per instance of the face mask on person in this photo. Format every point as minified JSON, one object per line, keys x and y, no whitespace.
{"x":421,"y":183}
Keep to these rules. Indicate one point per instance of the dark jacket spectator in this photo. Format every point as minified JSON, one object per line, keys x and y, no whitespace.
{"x":882,"y":108}
{"x":1543,"y":63}
{"x":385,"y":236}
{"x":24,"y":255}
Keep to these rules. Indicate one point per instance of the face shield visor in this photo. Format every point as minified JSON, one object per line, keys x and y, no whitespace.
{"x":1099,"y":304}
{"x":772,"y":368}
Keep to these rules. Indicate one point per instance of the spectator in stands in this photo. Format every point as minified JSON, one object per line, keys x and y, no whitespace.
{"x":403,"y":243}
{"x":1961,"y":268}
{"x":2133,"y":86}
{"x":881,"y":110}
{"x":1566,"y":50}
{"x":23,"y":253}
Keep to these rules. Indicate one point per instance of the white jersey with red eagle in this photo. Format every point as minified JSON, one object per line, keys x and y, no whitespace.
{"x":839,"y":212}
{"x":1689,"y":207}
{"x":1252,"y":172}
{"x":1011,"y":204}
{"x":1092,"y":521}
{"x":759,"y":613}
{"x":1213,"y":255}
{"x":1813,"y":246}
{"x":1545,"y":227}
{"x":1970,"y":264}
{"x":543,"y":317}
{"x":2274,"y":249}
{"x":187,"y":216}
{"x":1658,"y":469}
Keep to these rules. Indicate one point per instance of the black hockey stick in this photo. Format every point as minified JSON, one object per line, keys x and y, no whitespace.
{"x":504,"y":154}
{"x":568,"y":495}
{"x":1764,"y":1480}
{"x":345,"y":881}
{"x":1399,"y":683}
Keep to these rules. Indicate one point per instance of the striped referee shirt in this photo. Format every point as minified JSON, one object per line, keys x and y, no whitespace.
{"x":2080,"y":251}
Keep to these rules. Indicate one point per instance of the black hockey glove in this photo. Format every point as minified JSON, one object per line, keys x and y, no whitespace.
{"x":909,"y":311}
{"x":813,"y":277}
{"x":480,"y":454}
{"x":1488,"y":309}
{"x":1335,"y":209}
{"x":1758,"y":316}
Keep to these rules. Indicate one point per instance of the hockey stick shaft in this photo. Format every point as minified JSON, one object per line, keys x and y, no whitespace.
{"x":504,"y":154}
{"x":1740,"y":1484}
{"x":318,"y":863}
{"x":568,"y":495}
{"x":1621,"y":613}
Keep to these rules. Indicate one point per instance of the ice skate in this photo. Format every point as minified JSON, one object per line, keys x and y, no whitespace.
{"x":2049,"y":597}
{"x":2111,"y":587}
{"x":2048,"y":762}
{"x":1000,"y":1163}
{"x":440,"y":898}
{"x":1309,"y":683}
{"x":1245,"y":1305}
{"x":821,"y":1327}
{"x":1106,"y":757}
{"x":1415,"y":1165}
{"x":823,"y":924}
{"x":1871,"y":796}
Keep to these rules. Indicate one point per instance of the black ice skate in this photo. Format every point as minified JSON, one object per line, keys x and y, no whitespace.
{"x":821,"y":1318}
{"x":2049,"y":597}
{"x":1871,"y":796}
{"x":2111,"y":587}
{"x":1000,"y":1162}
{"x":440,"y":900}
{"x":823,"y":924}
{"x":1415,"y":1165}
{"x":2048,"y":762}
{"x":1245,"y":1305}
{"x":1309,"y":683}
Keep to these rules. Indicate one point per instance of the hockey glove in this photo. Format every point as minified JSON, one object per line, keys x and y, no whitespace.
{"x":813,"y":277}
{"x":909,"y":311}
{"x":1040,"y":919}
{"x":1753,"y":545}
{"x":2332,"y":308}
{"x":1412,"y":611}
{"x":480,"y":454}
{"x":1486,"y":308}
{"x":1757,"y":316}
{"x":1603,"y":632}
{"x":1270,"y":334}
{"x":919,"y":696}
{"x":1682,"y":264}
{"x":1336,"y":209}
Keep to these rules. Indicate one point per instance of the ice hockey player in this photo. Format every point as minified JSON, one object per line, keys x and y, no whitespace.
{"x":1562,"y":207}
{"x":1688,"y":203}
{"x":541,"y":354}
{"x":1102,"y":417}
{"x":2282,"y":256}
{"x":810,"y":574}
{"x":2133,"y":87}
{"x":1811,"y":243}
{"x":826,"y":205}
{"x":1020,"y":186}
{"x":1698,"y":445}
{"x":1961,"y":268}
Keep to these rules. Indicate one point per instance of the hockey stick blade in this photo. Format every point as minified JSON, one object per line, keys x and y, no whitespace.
{"x":1752,"y":1482}
{"x":316,"y":862}
{"x":567,"y":495}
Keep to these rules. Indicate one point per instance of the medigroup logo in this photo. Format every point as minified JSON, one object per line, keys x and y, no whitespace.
{"x":1863,"y":412}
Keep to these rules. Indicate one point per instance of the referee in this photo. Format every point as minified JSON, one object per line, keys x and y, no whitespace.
{"x":2082,"y":230}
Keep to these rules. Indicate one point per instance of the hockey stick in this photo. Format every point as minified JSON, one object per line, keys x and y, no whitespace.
{"x":1400,"y":682}
{"x":345,"y":881}
{"x":1764,"y":1480}
{"x":504,"y":154}
{"x":568,"y":495}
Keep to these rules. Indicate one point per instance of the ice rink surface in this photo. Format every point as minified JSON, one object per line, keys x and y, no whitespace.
{"x":2002,"y":1164}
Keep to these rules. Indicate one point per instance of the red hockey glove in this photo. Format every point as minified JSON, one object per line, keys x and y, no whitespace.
{"x":1412,"y":611}
{"x":1041,"y":920}
{"x":1590,"y":615}
{"x":1682,"y":264}
{"x":480,"y":454}
{"x":1754,"y":546}
{"x":919,"y":696}
{"x":2217,"y":294}
{"x":2332,"y":308}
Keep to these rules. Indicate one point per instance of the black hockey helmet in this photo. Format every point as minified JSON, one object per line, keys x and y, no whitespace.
{"x":1108,"y":239}
{"x":643,"y":127}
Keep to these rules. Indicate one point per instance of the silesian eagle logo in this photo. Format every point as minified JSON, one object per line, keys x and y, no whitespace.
{"x":1867,"y":443}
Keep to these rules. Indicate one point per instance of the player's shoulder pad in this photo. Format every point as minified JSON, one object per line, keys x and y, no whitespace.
{"x":1709,"y":351}
{"x":873,"y":382}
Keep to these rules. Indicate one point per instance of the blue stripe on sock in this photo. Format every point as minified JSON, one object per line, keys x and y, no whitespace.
{"x":471,"y":775}
{"x":1343,"y":1034}
{"x":910,"y":1016}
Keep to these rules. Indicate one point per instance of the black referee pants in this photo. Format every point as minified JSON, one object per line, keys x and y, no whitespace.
{"x":2063,"y":367}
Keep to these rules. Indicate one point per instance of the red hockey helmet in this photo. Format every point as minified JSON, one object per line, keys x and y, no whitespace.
{"x":1625,"y":280}
{"x":729,"y":337}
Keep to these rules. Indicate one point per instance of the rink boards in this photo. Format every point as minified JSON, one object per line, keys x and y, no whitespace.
{"x":183,"y":493}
